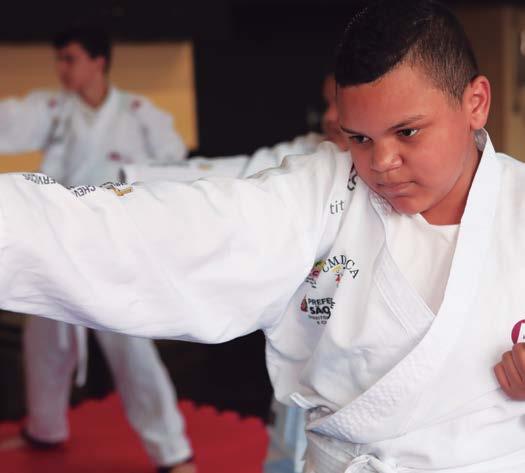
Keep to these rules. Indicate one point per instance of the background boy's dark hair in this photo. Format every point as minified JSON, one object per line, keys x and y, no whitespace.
{"x":95,"y":41}
{"x":386,"y":33}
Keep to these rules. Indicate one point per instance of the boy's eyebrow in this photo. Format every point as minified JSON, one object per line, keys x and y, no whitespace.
{"x":405,"y":123}
{"x":347,"y":130}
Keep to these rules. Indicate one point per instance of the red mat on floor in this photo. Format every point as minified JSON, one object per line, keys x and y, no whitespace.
{"x":102,"y":442}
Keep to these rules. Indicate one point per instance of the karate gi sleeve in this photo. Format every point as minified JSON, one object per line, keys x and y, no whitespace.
{"x":207,"y":261}
{"x":25,"y":123}
{"x":163,"y":142}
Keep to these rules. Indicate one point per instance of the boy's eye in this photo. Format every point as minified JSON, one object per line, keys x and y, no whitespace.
{"x":408,"y":132}
{"x":359,"y":139}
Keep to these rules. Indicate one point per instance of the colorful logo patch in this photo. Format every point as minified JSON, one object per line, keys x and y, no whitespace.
{"x":315,"y":273}
{"x":318,"y":310}
{"x":118,"y":188}
{"x":339,"y":265}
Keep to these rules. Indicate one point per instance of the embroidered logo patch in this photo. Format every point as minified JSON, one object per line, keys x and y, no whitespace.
{"x":315,"y":273}
{"x":518,"y":332}
{"x":118,"y":188}
{"x":40,"y":179}
{"x":339,"y":265}
{"x":318,"y":310}
{"x":81,"y":191}
{"x":352,"y":179}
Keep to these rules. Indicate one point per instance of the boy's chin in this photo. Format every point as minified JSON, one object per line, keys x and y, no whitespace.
{"x":69,"y":86}
{"x":407,"y":205}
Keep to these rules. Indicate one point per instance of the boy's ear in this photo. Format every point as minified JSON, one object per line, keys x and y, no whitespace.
{"x":476,"y":101}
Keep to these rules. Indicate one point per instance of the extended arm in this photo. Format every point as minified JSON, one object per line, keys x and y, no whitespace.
{"x":206,"y":261}
{"x":25,"y":123}
{"x":163,"y":142}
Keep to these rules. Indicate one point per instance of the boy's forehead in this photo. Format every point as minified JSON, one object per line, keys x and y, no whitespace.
{"x":72,"y":47}
{"x":402,"y":93}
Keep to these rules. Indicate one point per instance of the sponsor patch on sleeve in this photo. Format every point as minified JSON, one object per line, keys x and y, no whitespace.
{"x":40,"y":179}
{"x":81,"y":191}
{"x":118,"y":188}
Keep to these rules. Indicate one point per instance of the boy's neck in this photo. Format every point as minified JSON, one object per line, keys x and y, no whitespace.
{"x":95,"y":94}
{"x":450,"y":210}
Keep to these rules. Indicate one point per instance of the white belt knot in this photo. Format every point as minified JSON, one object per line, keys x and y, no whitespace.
{"x":358,"y":465}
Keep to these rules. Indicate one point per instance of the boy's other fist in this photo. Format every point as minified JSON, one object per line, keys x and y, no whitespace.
{"x":510,"y":372}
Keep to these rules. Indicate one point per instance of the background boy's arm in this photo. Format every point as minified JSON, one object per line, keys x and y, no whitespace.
{"x":163,"y":142}
{"x":208,"y":261}
{"x":25,"y":123}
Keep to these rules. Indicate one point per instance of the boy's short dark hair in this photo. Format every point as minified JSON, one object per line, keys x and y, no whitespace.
{"x":386,"y":33}
{"x":95,"y":41}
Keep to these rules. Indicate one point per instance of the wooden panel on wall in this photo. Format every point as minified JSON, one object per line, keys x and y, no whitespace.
{"x":161,"y":71}
{"x":483,"y":26}
{"x":514,"y":100}
{"x":495,"y":32}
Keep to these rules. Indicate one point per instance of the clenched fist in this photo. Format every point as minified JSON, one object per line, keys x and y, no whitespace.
{"x":510,"y":372}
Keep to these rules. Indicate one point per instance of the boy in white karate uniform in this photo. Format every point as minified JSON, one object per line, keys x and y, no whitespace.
{"x":388,"y":280}
{"x":86,"y":132}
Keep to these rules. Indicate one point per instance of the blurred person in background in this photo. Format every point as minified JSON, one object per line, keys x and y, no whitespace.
{"x":86,"y":132}
{"x":246,"y":165}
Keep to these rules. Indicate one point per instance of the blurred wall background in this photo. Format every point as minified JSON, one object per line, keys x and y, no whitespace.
{"x":497,"y":32}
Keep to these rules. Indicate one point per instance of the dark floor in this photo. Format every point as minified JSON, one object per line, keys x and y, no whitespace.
{"x":228,"y":376}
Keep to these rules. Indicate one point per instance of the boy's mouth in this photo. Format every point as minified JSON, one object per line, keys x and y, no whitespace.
{"x":393,"y":189}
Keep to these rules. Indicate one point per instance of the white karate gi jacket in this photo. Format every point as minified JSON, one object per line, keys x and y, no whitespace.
{"x":390,"y":387}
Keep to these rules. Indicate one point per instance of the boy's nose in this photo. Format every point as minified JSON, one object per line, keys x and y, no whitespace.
{"x":385,"y":158}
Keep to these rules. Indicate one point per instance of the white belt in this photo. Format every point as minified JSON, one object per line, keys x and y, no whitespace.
{"x":369,"y":463}
{"x":330,"y":455}
{"x":325,"y":455}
